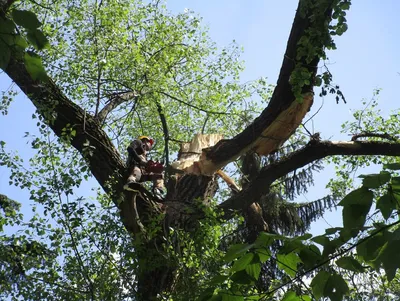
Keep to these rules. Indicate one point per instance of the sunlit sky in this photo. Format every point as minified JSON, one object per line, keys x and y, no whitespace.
{"x":366,"y":58}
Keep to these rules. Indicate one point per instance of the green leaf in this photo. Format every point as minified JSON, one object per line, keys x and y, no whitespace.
{"x":207,"y":294}
{"x":392,"y":166}
{"x":356,"y":206}
{"x":242,"y":262}
{"x":263,"y":254}
{"x":329,"y":285}
{"x":336,"y":287}
{"x":329,"y":245}
{"x":318,"y":284}
{"x":292,"y":245}
{"x":345,"y":5}
{"x":310,"y":256}
{"x":230,"y":297}
{"x":5,"y":54}
{"x":321,"y":239}
{"x":25,"y":18}
{"x":236,"y":251}
{"x":218,"y":279}
{"x":395,"y":184}
{"x":356,"y":197}
{"x":386,"y":204}
{"x":346,"y":234}
{"x":37,"y":39}
{"x":370,"y":249}
{"x":318,"y":81}
{"x":6,"y":41}
{"x":330,"y":231}
{"x":390,"y":259}
{"x":20,"y":42}
{"x":288,"y":263}
{"x":349,"y":263}
{"x":215,"y":298}
{"x":254,"y":268}
{"x":305,"y":236}
{"x":375,"y":180}
{"x":33,"y":64}
{"x":241,"y":277}
{"x":332,"y":246}
{"x":266,"y":239}
{"x":7,"y":27}
{"x":291,"y":296}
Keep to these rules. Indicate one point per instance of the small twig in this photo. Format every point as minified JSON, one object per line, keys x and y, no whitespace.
{"x":204,"y":124}
{"x":165,"y":131}
{"x":192,"y":106}
{"x":84,"y":121}
{"x":370,"y":135}
{"x":42,"y":6}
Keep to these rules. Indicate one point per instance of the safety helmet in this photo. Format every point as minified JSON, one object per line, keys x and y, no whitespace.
{"x":151,"y":140}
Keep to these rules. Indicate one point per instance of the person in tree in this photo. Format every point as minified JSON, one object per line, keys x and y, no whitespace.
{"x":141,"y":169}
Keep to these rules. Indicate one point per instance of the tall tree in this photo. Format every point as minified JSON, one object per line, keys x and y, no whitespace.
{"x":99,"y":72}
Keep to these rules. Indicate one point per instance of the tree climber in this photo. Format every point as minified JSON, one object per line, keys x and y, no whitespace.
{"x":141,"y":169}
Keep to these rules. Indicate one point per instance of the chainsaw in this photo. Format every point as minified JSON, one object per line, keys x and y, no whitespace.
{"x":154,"y":167}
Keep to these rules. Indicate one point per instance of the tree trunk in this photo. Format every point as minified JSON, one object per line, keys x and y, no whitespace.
{"x":182,"y":209}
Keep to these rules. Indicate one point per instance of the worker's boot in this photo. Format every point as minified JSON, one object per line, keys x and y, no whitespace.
{"x":159,"y":193}
{"x":132,"y":185}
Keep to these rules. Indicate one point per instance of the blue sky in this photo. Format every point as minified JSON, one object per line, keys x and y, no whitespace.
{"x":366,"y":58}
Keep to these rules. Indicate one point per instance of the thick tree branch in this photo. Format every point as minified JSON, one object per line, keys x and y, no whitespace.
{"x":311,"y":152}
{"x":283,"y":113}
{"x":104,"y":160}
{"x":114,"y":102}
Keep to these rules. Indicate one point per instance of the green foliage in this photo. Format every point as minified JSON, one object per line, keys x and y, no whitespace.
{"x":33,"y":64}
{"x":167,"y":60}
{"x":6,"y":40}
{"x":288,"y":263}
{"x":313,"y":44}
{"x":356,"y":248}
{"x":292,"y":296}
{"x":349,"y":263}
{"x":329,"y":285}
{"x":12,"y":41}
{"x":37,"y":39}
{"x":26,"y":19}
{"x":356,"y":206}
